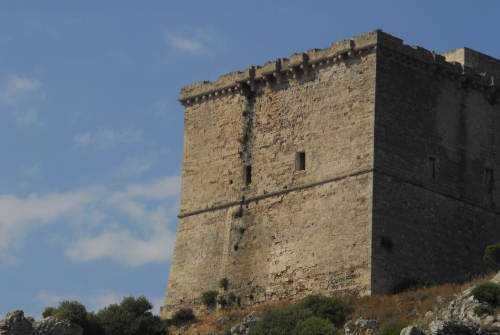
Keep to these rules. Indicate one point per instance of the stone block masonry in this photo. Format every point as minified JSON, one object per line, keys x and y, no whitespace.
{"x":348,"y":170}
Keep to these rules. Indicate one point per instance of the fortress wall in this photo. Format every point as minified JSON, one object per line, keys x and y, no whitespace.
{"x":305,"y":231}
{"x":435,"y":205}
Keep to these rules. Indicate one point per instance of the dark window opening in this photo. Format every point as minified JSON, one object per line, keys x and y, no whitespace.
{"x":248,"y":175}
{"x":300,"y":161}
{"x":432,"y":166}
{"x":488,"y":179}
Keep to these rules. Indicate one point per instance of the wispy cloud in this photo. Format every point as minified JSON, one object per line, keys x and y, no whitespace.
{"x":107,"y":138}
{"x":28,"y":117}
{"x":16,"y":214}
{"x":197,"y":42}
{"x":155,"y":244}
{"x":157,"y":189}
{"x":130,"y":225}
{"x":133,"y":166}
{"x":17,"y":97}
{"x":18,"y":89}
{"x":125,"y":248}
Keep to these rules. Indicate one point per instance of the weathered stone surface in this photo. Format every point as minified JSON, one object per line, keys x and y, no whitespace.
{"x":361,"y":326}
{"x":243,"y":328}
{"x":53,"y":326}
{"x":398,"y":182}
{"x":15,"y":323}
{"x":411,"y":330}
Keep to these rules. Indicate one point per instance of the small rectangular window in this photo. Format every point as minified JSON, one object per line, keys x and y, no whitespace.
{"x":488,"y":179}
{"x":248,"y":175}
{"x":432,"y":167}
{"x":300,"y":161}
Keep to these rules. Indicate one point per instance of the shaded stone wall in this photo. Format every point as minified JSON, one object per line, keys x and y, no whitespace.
{"x":435,"y":203}
{"x":302,"y":231}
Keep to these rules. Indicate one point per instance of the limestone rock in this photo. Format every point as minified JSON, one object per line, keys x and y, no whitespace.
{"x":360,"y":326}
{"x":15,"y":323}
{"x":411,"y":330}
{"x":53,"y":326}
{"x":243,"y":328}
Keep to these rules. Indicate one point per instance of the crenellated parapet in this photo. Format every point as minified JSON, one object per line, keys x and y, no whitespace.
{"x":273,"y":74}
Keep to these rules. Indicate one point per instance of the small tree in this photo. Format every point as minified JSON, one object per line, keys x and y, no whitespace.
{"x":492,"y":256}
{"x":488,"y":292}
{"x":182,"y":316}
{"x":209,"y":298}
{"x":315,"y":326}
{"x":49,"y":311}
{"x":224,"y":283}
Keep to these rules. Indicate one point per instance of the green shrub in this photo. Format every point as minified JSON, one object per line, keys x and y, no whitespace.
{"x":482,"y":310}
{"x":280,"y":321}
{"x":209,"y":298}
{"x":224,"y":283}
{"x":182,"y":316}
{"x":131,"y":317}
{"x":236,"y":246}
{"x":492,"y":256}
{"x":330,"y":308}
{"x":397,"y":328}
{"x":49,"y":311}
{"x":242,"y":230}
{"x":222,"y":301}
{"x":488,"y":292}
{"x":315,"y":314}
{"x":72,"y":311}
{"x":231,"y":298}
{"x":315,"y":326}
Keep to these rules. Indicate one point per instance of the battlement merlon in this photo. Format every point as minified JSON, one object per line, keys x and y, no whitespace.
{"x":463,"y":61}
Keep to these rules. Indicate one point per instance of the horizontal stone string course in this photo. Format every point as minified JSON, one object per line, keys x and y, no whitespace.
{"x":271,"y":194}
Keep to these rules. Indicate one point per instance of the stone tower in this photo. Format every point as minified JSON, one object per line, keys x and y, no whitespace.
{"x":353,"y":169}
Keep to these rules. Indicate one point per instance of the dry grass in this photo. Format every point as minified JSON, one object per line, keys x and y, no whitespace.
{"x":388,"y":310}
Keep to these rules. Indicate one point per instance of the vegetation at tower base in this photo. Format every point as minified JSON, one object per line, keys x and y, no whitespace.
{"x":132,"y":316}
{"x":492,"y":256}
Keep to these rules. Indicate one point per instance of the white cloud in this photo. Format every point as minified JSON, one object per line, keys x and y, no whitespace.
{"x":198,"y":42}
{"x":19,"y":88}
{"x":17,"y":213}
{"x":157,"y":189}
{"x":18,"y":95}
{"x":156,"y":243}
{"x":135,"y":166}
{"x":129,"y":225}
{"x":107,"y":138}
{"x":125,"y":248}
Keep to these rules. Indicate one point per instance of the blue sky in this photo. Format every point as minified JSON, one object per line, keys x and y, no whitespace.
{"x":91,"y":130}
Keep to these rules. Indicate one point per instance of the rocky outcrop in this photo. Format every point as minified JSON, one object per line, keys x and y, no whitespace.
{"x":244,"y":327}
{"x":460,"y":318}
{"x":15,"y":323}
